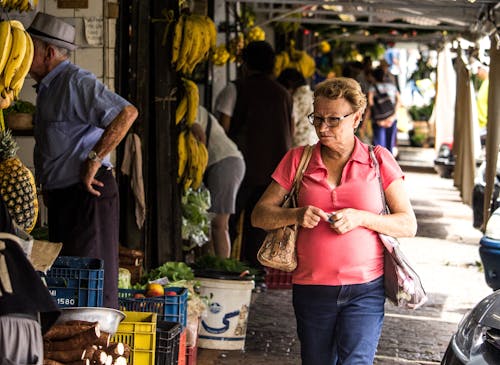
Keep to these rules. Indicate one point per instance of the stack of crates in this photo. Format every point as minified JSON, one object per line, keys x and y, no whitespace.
{"x":171,"y":311}
{"x":167,"y":342}
{"x":138,"y":331}
{"x":277,"y":279}
{"x":76,"y":281}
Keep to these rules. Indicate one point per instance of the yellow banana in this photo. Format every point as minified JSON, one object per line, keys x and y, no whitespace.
{"x":193,"y":100}
{"x":6,"y":97}
{"x":19,"y":77}
{"x":202,"y":160}
{"x":187,"y":42}
{"x":182,"y":153}
{"x":16,"y":57}
{"x":24,"y":6}
{"x":16,"y":24}
{"x":194,"y":55}
{"x":176,"y":43}
{"x":204,"y":35}
{"x":181,"y":110}
{"x":187,"y":180}
{"x":212,"y":30}
{"x":194,"y":159}
{"x":5,"y":42}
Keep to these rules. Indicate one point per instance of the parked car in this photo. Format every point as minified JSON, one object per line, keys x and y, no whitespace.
{"x":444,"y":163}
{"x":478,"y":193}
{"x":445,"y":160}
{"x":489,"y":251}
{"x":477,"y":339}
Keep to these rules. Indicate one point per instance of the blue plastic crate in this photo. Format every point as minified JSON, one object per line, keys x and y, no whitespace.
{"x":76,"y":281}
{"x":170,"y":308}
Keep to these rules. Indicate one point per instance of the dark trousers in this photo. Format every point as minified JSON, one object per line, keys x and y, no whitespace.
{"x":87,"y":226}
{"x":252,"y":237}
{"x":339,"y":324}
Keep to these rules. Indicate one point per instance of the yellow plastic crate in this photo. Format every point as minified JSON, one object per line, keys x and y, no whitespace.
{"x":138,"y":330}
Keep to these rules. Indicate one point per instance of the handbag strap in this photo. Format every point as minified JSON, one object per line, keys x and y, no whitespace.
{"x":301,"y":168}
{"x":385,"y":209}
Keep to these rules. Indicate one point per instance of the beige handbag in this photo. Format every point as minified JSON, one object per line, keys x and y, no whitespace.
{"x":278,"y":249}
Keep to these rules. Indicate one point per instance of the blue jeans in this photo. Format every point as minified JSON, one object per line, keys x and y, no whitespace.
{"x":385,"y":137}
{"x":339,"y":325}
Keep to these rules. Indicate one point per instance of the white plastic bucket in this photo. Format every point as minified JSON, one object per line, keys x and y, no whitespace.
{"x":225,"y":326}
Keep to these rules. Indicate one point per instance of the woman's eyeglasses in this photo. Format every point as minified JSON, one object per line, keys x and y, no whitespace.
{"x":316,"y":120}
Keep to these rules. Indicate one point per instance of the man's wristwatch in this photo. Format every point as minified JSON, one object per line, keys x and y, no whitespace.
{"x":92,"y":156}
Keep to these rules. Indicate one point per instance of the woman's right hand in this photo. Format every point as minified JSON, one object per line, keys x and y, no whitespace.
{"x":309,"y":216}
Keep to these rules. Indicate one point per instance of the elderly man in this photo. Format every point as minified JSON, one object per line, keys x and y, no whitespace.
{"x":78,"y":122}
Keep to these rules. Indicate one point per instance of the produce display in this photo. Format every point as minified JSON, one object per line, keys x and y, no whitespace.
{"x":16,"y":56}
{"x":194,"y":37}
{"x":17,"y":184}
{"x":195,"y":230}
{"x":220,"y":55}
{"x":82,"y":342}
{"x":19,"y":5}
{"x":294,"y":58}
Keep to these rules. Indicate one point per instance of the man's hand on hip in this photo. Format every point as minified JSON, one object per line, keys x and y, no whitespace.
{"x":89,"y":171}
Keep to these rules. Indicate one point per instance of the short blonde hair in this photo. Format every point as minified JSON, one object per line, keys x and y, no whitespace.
{"x":342,"y":87}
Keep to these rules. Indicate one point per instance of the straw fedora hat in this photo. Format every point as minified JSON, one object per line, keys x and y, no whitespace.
{"x":52,"y":30}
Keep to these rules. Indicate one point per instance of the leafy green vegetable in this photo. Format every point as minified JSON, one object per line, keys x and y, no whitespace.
{"x":209,"y":262}
{"x":124,"y":278}
{"x":195,"y":229}
{"x":20,"y":106}
{"x":174,"y":271}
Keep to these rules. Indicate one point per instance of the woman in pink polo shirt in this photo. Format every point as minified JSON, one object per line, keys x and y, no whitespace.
{"x":338,"y":291}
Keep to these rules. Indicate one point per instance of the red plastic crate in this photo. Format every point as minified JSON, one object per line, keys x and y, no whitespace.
{"x":191,"y":354}
{"x":182,"y":348}
{"x":277,"y":279}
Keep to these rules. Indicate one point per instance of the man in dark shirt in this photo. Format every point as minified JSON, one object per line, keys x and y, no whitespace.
{"x":261,"y":125}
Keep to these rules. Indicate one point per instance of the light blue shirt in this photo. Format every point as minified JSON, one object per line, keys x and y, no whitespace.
{"x":72,"y":110}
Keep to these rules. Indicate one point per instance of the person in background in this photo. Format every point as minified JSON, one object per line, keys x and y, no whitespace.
{"x":77,"y":123}
{"x":482,"y":96}
{"x":302,"y":96}
{"x":223,"y":176}
{"x":338,"y":288}
{"x":257,"y":115}
{"x":388,"y":77}
{"x":365,"y":79}
{"x":384,"y":131}
{"x":391,"y":56}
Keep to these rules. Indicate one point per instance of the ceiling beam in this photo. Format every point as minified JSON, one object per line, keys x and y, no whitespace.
{"x":373,"y":24}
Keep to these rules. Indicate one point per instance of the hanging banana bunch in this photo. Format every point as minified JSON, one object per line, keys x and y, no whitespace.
{"x":187,"y":109}
{"x":220,"y":56}
{"x":255,"y":33}
{"x":16,"y":57}
{"x":194,"y":38}
{"x":18,"y":5}
{"x":193,"y":155}
{"x":300,"y":60}
{"x":193,"y":159}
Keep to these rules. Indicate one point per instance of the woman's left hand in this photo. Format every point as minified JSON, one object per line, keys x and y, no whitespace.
{"x":345,"y":220}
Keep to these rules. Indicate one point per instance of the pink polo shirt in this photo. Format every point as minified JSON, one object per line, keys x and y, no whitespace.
{"x":325,"y":257}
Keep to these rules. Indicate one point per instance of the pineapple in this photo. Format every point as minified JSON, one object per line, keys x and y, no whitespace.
{"x":17,"y":185}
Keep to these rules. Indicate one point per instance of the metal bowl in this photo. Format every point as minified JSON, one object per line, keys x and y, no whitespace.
{"x":108,"y":318}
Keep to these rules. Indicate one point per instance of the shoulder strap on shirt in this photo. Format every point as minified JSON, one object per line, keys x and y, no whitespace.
{"x":208,"y":130}
{"x":304,"y":162}
{"x":385,"y":209}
